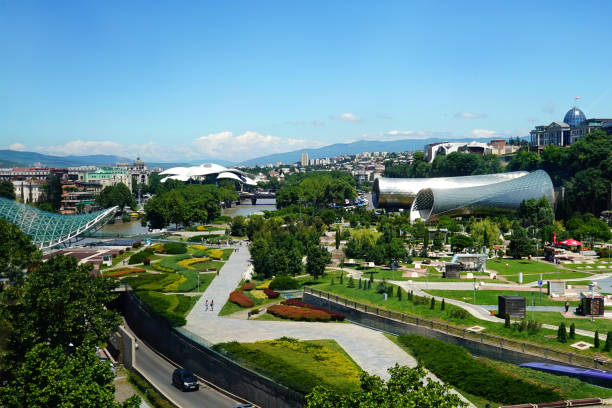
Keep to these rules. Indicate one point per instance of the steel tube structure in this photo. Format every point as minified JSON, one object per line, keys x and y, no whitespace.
{"x":401,"y":192}
{"x":489,"y":199}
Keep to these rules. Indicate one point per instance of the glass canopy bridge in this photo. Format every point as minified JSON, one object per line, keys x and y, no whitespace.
{"x":48,"y":230}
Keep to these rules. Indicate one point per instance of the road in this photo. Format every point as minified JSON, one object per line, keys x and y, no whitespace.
{"x":159,"y":372}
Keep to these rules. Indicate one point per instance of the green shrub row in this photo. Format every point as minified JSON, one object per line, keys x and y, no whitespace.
{"x":191,"y":283}
{"x":283,"y":282}
{"x":156,"y":282}
{"x":149,"y":392}
{"x":171,"y":262}
{"x":456,"y":367}
{"x":157,"y":266}
{"x":139,"y":257}
{"x":175,"y":248}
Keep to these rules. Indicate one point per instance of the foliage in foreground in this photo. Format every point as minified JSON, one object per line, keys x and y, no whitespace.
{"x":456,"y":367}
{"x":150,"y":393}
{"x":405,"y":388}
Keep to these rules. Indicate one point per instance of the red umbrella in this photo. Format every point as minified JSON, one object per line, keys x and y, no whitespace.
{"x":571,"y":242}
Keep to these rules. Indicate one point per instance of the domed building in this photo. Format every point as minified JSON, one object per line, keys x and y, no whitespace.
{"x":574,"y":126}
{"x":574,"y":117}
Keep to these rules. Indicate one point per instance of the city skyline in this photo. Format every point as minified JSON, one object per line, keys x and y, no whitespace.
{"x":233,"y":83}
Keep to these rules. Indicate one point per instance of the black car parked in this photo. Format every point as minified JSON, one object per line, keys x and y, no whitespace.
{"x":184,"y":380}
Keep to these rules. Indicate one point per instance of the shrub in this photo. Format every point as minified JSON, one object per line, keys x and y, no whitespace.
{"x":399,"y":293}
{"x":596,"y":339}
{"x":270,"y":293}
{"x":456,"y":367}
{"x":359,"y":283}
{"x":533,"y":327}
{"x":264,"y":285}
{"x":572,"y":333}
{"x":146,"y":261}
{"x":248,"y":286}
{"x":562,"y":333}
{"x":241,"y":299}
{"x":608,"y":344}
{"x":149,"y":392}
{"x":175,"y":248}
{"x":369,"y":284}
{"x":295,"y":302}
{"x":459,"y":314}
{"x":507,"y":321}
{"x":433,"y":303}
{"x":160,"y":268}
{"x":198,"y":247}
{"x":283,"y":282}
{"x":351,"y":282}
{"x":189,"y":262}
{"x":299,"y":313}
{"x":442,"y":305}
{"x":215,"y":253}
{"x":139,"y":257}
{"x":197,"y":238}
{"x":123,"y":272}
{"x":259,"y":295}
{"x":136,"y":244}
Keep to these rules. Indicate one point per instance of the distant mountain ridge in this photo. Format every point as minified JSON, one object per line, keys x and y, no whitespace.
{"x":339,"y":149}
{"x":14,"y":158}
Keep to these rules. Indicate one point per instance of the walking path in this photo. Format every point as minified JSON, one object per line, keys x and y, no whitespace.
{"x":370,"y":349}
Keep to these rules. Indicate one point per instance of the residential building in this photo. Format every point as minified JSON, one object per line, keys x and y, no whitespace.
{"x":110,"y":176}
{"x":304,"y":161}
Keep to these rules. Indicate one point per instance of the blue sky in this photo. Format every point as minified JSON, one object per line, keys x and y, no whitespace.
{"x":239,"y":79}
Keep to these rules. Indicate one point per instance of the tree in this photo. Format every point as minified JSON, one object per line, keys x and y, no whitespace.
{"x":608,"y":344}
{"x":337,"y":237}
{"x":520,"y":245}
{"x":459,"y":242}
{"x":238,"y":226}
{"x":407,"y":387}
{"x":7,"y":189}
{"x":53,"y":192}
{"x":118,"y":195}
{"x":317,"y":258}
{"x":52,"y":377}
{"x":17,"y":252}
{"x":485,"y":233}
{"x":562,"y":333}
{"x":61,"y":304}
{"x":596,"y":340}
{"x":572,"y":332}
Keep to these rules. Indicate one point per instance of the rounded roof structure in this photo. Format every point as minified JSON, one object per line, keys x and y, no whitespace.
{"x":49,"y":229}
{"x":574,"y":117}
{"x":207,"y":169}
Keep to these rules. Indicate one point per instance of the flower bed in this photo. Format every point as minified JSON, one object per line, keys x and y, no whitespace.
{"x":198,"y":247}
{"x":160,"y":268}
{"x":294,"y":302}
{"x":215,"y":253}
{"x":123,"y":272}
{"x":259,"y":295}
{"x":299,"y":313}
{"x":248,"y":286}
{"x":264,"y":285}
{"x":270,"y":293}
{"x":241,"y":299}
{"x":188,"y":263}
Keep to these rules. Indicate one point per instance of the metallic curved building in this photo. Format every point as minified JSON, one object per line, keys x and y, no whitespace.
{"x":489,"y":199}
{"x":400,"y":192}
{"x":208,"y":169}
{"x":48,"y":229}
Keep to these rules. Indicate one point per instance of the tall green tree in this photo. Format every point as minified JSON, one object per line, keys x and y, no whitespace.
{"x":17,"y":252}
{"x":51,"y":377}
{"x":317,"y":258}
{"x":7,"y":189}
{"x":407,"y":387}
{"x":520,"y":244}
{"x":118,"y":195}
{"x":62,"y":305}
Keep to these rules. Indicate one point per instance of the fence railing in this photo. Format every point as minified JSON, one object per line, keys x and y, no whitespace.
{"x":485,"y":338}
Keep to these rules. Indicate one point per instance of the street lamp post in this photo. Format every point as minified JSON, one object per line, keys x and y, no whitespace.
{"x":474,"y":291}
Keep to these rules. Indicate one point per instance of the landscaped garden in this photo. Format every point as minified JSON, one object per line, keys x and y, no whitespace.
{"x":489,"y":297}
{"x":300,"y":365}
{"x":497,"y":383}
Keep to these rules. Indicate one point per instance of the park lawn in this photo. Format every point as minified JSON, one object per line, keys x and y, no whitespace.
{"x":216,"y":265}
{"x":489,"y":297}
{"x":528,"y":278}
{"x":300,"y":365}
{"x":601,"y":324}
{"x":227,"y":253}
{"x":231,"y":307}
{"x":519,"y":265}
{"x":570,"y":388}
{"x":370,"y":297}
{"x":439,"y":278}
{"x":119,"y":258}
{"x":174,"y":308}
{"x":385,"y":274}
{"x":183,"y":281}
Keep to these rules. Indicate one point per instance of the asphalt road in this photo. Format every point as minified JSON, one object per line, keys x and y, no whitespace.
{"x":159,"y":371}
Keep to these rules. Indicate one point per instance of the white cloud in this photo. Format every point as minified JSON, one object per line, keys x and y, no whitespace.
{"x":18,"y":147}
{"x":82,"y":147}
{"x":396,"y":132}
{"x":348,"y":117}
{"x":483,"y":133}
{"x":247,"y":145}
{"x":470,"y":115}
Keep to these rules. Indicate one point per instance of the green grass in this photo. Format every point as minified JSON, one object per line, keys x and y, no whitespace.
{"x":216,"y":265}
{"x":226,"y":254}
{"x":519,"y":265}
{"x":119,"y":258}
{"x":230,"y":307}
{"x":173,"y":308}
{"x":602,"y":324}
{"x":528,"y":278}
{"x":300,"y":365}
{"x":489,"y":297}
{"x":370,"y":297}
{"x":159,"y":282}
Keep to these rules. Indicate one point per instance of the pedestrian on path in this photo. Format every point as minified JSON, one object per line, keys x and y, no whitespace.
{"x":212,"y":304}
{"x":567,"y":305}
{"x":206,"y":305}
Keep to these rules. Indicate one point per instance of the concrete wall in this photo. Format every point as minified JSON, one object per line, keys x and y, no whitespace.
{"x":127,"y":348}
{"x":203,"y":361}
{"x":397,"y":327}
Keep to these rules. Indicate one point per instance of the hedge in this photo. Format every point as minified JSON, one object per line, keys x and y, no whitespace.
{"x":456,"y":367}
{"x":150,"y":393}
{"x":295,"y":302}
{"x":299,"y":313}
{"x":241,"y":299}
{"x":157,"y":282}
{"x":166,"y":306}
{"x":215,"y":253}
{"x":139,"y":257}
{"x":198,"y":238}
{"x":123,"y":272}
{"x":160,"y":268}
{"x":270,"y":293}
{"x":175,"y":248}
{"x":248,"y":286}
{"x":283,"y":282}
